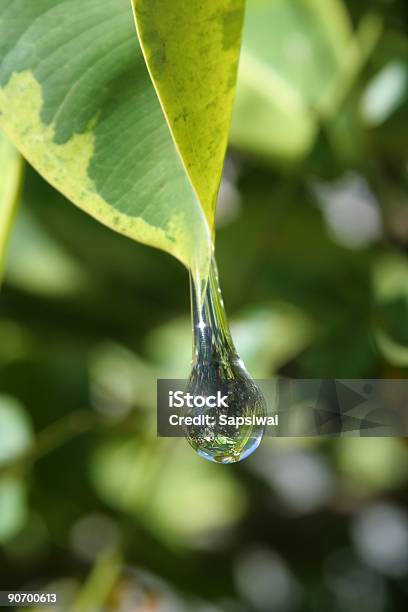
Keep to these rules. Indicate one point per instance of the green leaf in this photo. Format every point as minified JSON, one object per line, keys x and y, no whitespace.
{"x":142,"y":478}
{"x":299,"y":59}
{"x":192,"y":51}
{"x":77,"y":100}
{"x":372,"y":464}
{"x":11,"y":166}
{"x":16,"y":438}
{"x":15,"y":430}
{"x":390,"y":288}
{"x":13,"y":507}
{"x":39,"y":264}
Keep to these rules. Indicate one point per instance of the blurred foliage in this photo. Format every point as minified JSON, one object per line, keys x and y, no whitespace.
{"x":298,"y":62}
{"x":312,"y":250}
{"x":11,"y":165}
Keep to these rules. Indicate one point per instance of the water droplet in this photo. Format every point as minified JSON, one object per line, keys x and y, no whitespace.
{"x":226,"y":433}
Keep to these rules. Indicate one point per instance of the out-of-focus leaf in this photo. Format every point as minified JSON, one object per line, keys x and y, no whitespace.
{"x":169,"y":348}
{"x":391,"y":308}
{"x":101,"y":581}
{"x":270,"y":118}
{"x":388,"y":135}
{"x":372,"y":464}
{"x":298,"y":60}
{"x":13,"y":511}
{"x":11,"y":165}
{"x":385,"y":93}
{"x":39,"y":265}
{"x":142,"y":478}
{"x":15,"y":429}
{"x":269,"y":336}
{"x":192,"y":50}
{"x":119,"y":380}
{"x":79,"y":104}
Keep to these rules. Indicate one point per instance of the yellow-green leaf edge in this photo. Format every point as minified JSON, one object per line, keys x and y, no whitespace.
{"x":65,"y":165}
{"x":192,"y":51}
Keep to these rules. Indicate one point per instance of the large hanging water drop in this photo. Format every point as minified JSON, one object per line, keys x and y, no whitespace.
{"x":217,"y":368}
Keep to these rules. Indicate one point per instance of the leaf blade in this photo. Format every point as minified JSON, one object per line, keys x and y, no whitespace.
{"x":192,"y":52}
{"x":90,"y":122}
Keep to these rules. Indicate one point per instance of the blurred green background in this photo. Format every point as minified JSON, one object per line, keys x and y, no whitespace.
{"x":312,"y":250}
